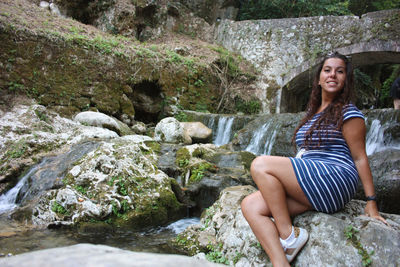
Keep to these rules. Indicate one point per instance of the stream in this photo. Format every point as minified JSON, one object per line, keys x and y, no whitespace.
{"x":155,"y":240}
{"x":16,"y":238}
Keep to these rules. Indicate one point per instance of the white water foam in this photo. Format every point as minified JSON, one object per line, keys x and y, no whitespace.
{"x":179,"y":226}
{"x":8,"y":200}
{"x":224,"y":130}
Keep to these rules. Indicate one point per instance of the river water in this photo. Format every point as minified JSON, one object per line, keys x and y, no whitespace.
{"x":16,"y":239}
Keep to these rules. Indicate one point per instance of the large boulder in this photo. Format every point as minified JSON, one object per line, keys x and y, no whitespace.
{"x":198,"y":132}
{"x":99,"y":255}
{"x":31,"y":132}
{"x":204,"y":170}
{"x":99,"y":119}
{"x":385,"y":166}
{"x":345,"y":238}
{"x":170,"y":130}
{"x":116,"y":183}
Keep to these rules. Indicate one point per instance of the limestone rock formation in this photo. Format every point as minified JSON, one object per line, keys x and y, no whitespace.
{"x":98,"y":119}
{"x":198,"y":132}
{"x":117,"y":182}
{"x":345,"y":238}
{"x":170,"y":130}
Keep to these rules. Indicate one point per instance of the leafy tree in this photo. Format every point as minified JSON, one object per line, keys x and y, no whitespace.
{"x":273,"y":9}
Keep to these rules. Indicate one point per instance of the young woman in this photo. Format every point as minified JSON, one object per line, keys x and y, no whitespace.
{"x":324,"y":174}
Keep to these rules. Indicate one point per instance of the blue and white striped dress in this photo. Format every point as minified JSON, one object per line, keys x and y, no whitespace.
{"x":327,"y":174}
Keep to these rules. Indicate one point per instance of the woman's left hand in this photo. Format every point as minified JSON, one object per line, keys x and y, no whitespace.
{"x":371,"y":210}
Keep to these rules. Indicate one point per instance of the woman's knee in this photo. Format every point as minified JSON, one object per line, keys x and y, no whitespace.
{"x":259,"y":164}
{"x":247,"y":205}
{"x":253,"y":204}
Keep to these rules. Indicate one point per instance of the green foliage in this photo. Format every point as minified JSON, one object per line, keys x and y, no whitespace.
{"x":182,"y":157}
{"x":198,"y":171}
{"x":41,"y":115}
{"x":183,"y":163}
{"x":387,"y":84}
{"x":248,"y":107}
{"x":237,"y":257}
{"x":273,"y":9}
{"x":351,"y":233}
{"x":82,"y":189}
{"x":201,"y":107}
{"x":57,"y":208}
{"x":359,"y":7}
{"x":215,"y":254}
{"x":181,"y":116}
{"x":122,"y":184}
{"x":174,"y":57}
{"x":228,"y":61}
{"x":199,"y":152}
{"x":14,"y":86}
{"x":121,"y":211}
{"x":17,"y":150}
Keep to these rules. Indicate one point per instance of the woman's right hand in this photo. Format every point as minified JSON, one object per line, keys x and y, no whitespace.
{"x":371,"y":210}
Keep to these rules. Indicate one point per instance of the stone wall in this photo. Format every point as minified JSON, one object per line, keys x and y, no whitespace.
{"x":286,"y":49}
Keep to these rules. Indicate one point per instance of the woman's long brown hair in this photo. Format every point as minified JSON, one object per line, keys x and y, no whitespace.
{"x":332,"y":114}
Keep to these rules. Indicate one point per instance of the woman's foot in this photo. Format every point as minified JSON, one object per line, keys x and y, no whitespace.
{"x":294,"y":243}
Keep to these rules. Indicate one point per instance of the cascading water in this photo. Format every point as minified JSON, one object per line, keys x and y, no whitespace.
{"x":263,"y":139}
{"x":9,"y":199}
{"x":223,"y":131}
{"x":43,"y":176}
{"x":374,"y":139}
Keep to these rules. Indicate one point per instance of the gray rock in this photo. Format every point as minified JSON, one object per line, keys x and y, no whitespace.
{"x":198,"y":132}
{"x":329,"y":243}
{"x":170,"y":130}
{"x":99,"y":255}
{"x":117,"y":181}
{"x":98,"y":119}
{"x":139,"y":128}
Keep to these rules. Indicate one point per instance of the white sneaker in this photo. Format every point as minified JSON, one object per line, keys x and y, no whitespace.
{"x":301,"y":237}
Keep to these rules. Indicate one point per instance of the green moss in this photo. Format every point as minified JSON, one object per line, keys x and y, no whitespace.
{"x":198,"y":171}
{"x":16,"y":150}
{"x":188,"y":244}
{"x":199,"y":152}
{"x":182,"y":157}
{"x":59,"y":209}
{"x":247,"y":158}
{"x":154,"y":146}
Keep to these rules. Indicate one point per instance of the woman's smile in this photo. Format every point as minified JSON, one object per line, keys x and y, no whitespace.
{"x":332,"y":76}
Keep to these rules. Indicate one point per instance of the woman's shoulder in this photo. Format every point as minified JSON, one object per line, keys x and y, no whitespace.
{"x":351,"y":111}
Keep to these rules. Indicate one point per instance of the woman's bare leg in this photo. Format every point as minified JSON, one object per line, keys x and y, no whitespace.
{"x":280,"y":196}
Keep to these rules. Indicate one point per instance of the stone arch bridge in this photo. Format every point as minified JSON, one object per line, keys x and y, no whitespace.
{"x":286,"y":51}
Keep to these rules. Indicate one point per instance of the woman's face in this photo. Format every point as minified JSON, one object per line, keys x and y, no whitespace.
{"x":333,"y":76}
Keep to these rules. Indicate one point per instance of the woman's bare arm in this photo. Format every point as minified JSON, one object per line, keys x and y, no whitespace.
{"x":354,"y":134}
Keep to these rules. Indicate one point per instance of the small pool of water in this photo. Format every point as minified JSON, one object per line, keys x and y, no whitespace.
{"x":156,"y":240}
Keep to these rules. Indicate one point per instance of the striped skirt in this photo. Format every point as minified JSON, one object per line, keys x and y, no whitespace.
{"x":327,"y":185}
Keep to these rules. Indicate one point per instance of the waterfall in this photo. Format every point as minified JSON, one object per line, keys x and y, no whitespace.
{"x":374,"y":139}
{"x":266,"y":134}
{"x":9,"y":199}
{"x":44,"y":176}
{"x":224,"y":129}
{"x":255,"y":141}
{"x":270,"y":142}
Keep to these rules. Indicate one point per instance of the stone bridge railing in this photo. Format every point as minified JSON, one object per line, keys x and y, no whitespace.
{"x":287,"y":50}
